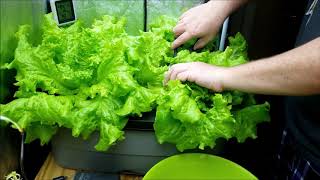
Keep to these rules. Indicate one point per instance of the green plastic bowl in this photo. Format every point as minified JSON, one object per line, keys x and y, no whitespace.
{"x":197,"y":166}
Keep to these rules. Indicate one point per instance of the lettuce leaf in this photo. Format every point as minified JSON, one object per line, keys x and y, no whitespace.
{"x":76,"y":78}
{"x":93,"y":78}
{"x":193,"y":117}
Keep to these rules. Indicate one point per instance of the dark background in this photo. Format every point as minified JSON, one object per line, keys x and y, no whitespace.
{"x":270,"y":27}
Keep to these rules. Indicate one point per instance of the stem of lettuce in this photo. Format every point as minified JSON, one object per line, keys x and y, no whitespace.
{"x":12,"y":122}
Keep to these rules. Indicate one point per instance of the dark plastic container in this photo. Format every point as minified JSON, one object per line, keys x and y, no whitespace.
{"x":137,"y":153}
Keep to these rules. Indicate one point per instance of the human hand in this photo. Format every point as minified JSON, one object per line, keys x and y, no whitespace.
{"x":203,"y":74}
{"x":203,"y":22}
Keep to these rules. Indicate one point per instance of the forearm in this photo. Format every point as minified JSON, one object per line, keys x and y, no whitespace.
{"x":296,"y":72}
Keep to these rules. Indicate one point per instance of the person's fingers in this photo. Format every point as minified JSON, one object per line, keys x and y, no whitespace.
{"x":180,"y":22}
{"x":169,"y":72}
{"x":183,"y":76}
{"x":181,"y":39}
{"x":167,"y":76}
{"x":188,"y":20}
{"x":202,"y":42}
{"x":177,"y":68}
{"x":179,"y":29}
{"x":174,"y":70}
{"x":185,"y":14}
